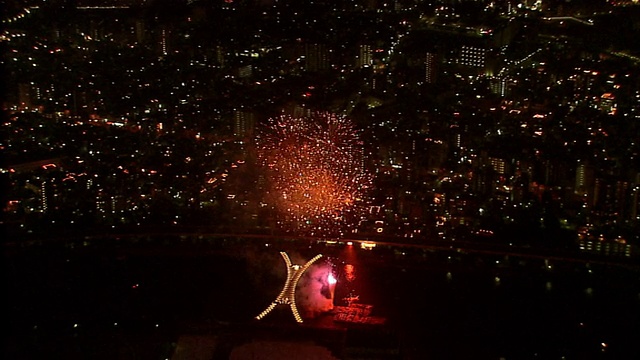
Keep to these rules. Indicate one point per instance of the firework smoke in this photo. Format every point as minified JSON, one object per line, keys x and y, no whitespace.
{"x":314,"y":294}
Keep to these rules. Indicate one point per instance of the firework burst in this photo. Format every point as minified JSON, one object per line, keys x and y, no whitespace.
{"x":314,"y":166}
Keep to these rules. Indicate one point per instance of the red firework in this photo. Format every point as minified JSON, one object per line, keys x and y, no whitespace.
{"x":315,"y":169}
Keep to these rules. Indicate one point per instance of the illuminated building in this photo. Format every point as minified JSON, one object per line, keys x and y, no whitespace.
{"x":430,"y":68}
{"x":610,"y":200}
{"x":608,"y":247}
{"x":584,"y":82}
{"x":288,"y":294}
{"x":584,"y":179}
{"x":245,"y":71}
{"x":43,"y":189}
{"x":608,"y":103}
{"x":364,"y":58}
{"x":220,"y":56}
{"x":472,"y":56}
{"x":140,"y":30}
{"x":498,"y":165}
{"x":316,"y":57}
{"x":164,"y":48}
{"x":26,"y":94}
{"x":500,"y":86}
{"x":243,"y":124}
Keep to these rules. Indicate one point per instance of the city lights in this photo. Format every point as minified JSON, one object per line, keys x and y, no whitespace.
{"x":465,"y":168}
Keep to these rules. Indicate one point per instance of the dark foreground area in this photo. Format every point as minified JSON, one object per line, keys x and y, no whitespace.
{"x":194,"y":297}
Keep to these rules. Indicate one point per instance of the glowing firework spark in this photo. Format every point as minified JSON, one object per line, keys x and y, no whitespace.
{"x":331,"y":279}
{"x":315,"y":168}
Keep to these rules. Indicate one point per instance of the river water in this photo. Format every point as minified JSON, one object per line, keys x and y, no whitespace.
{"x":114,"y":299}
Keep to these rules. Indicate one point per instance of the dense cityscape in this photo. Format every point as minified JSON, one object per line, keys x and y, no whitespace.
{"x":508,"y":128}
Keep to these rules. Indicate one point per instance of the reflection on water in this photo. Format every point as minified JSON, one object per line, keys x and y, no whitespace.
{"x":349,"y":277}
{"x":349,"y":272}
{"x":350,"y":285}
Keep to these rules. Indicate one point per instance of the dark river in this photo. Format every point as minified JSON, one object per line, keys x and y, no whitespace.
{"x":132,"y":298}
